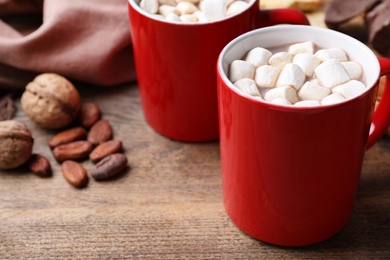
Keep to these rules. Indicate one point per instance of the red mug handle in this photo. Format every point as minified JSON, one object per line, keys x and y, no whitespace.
{"x":381,"y":117}
{"x":282,"y":16}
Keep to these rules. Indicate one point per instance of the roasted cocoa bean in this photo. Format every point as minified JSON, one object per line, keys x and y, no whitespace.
{"x":105,"y":149}
{"x":74,"y":173}
{"x":40,"y":165}
{"x":109,"y":166}
{"x":77,"y":150}
{"x":89,"y":114}
{"x":100,"y":132}
{"x":68,"y":136}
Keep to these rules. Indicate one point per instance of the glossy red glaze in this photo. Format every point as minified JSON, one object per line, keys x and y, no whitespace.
{"x":175,"y":66}
{"x":380,"y":119}
{"x":290,"y":175}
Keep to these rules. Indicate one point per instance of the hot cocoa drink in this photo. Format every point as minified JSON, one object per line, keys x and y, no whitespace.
{"x":300,"y":74}
{"x":193,"y":11}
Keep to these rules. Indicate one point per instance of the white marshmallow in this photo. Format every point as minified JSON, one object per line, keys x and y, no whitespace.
{"x":331,"y":53}
{"x":350,"y":89}
{"x":281,"y":101}
{"x":200,"y":16}
{"x":291,"y":75}
{"x":280,"y":59}
{"x":316,"y":81}
{"x":201,"y":5}
{"x":214,"y":9}
{"x":331,"y":73}
{"x":285,"y":92}
{"x":240,"y":69}
{"x":191,"y":1}
{"x":167,"y":2}
{"x":258,"y":56}
{"x":159,"y":16}
{"x":307,"y":103}
{"x":172,"y":17}
{"x":164,"y":10}
{"x":186,"y":8}
{"x":307,"y":62}
{"x":312,"y":91}
{"x":247,"y":86}
{"x":150,"y":6}
{"x":236,"y":7}
{"x":353,"y":69}
{"x":266,"y":75}
{"x":302,"y":47}
{"x":228,"y":2}
{"x":189,"y":18}
{"x":333,"y":98}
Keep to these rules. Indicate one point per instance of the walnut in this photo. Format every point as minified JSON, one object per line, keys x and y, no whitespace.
{"x":16,"y":144}
{"x":51,"y":101}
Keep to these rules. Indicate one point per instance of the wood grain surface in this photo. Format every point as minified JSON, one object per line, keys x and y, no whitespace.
{"x":167,"y":205}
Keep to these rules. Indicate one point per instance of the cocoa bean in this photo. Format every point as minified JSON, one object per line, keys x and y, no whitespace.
{"x":74,"y":173}
{"x":89,"y":114}
{"x":105,"y":149}
{"x":100,"y":132}
{"x":77,"y":150}
{"x":40,"y":165}
{"x":68,"y":136}
{"x":109,"y":166}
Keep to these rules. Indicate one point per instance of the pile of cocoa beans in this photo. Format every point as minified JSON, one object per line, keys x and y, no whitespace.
{"x":91,"y":139}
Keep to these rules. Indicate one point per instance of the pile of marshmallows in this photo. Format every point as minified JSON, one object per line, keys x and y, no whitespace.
{"x":299,"y":76}
{"x":193,"y":11}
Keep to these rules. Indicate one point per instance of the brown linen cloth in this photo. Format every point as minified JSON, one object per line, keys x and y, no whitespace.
{"x":83,"y":40}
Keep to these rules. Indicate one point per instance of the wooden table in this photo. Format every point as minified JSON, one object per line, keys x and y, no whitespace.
{"x":167,"y":206}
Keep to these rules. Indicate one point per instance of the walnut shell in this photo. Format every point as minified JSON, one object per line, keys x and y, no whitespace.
{"x":16,"y":144}
{"x":51,"y":101}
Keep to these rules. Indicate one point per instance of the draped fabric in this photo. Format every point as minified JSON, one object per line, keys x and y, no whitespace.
{"x":83,"y":40}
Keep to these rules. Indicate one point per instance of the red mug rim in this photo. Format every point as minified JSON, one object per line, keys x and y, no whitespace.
{"x":244,"y":43}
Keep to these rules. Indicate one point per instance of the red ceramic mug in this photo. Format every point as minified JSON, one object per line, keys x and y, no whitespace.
{"x":290,"y":174}
{"x":175,"y":65}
